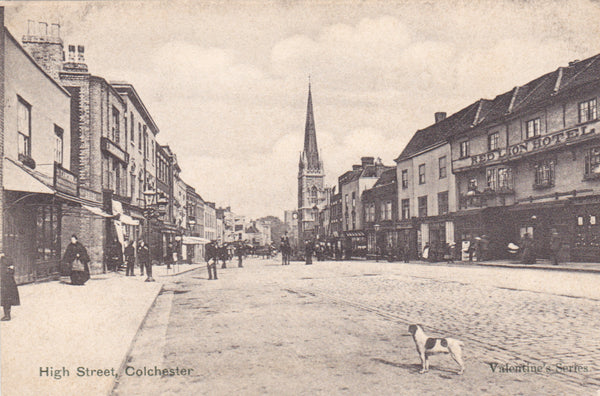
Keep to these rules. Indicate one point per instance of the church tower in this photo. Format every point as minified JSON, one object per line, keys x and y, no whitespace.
{"x":310,"y":178}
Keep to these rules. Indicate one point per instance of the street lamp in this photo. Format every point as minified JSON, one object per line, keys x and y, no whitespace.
{"x":376,"y":227}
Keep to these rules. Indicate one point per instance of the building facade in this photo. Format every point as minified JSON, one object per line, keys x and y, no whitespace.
{"x":380,"y":211}
{"x":532,"y":166}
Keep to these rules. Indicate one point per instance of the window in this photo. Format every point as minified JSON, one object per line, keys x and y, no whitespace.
{"x":587,"y":110}
{"x":422,"y":174}
{"x":117,"y":168}
{"x":353,"y":200}
{"x":125,"y":132}
{"x":152,"y":154}
{"x":443,"y":203}
{"x":313,"y":196}
{"x":404,"y":178}
{"x":346,"y":201}
{"x":386,"y":210}
{"x":499,"y":178}
{"x":24,"y":127}
{"x":592,"y":163}
{"x":58,"y":144}
{"x":544,"y":174}
{"x":423,"y":206}
{"x":532,"y":128}
{"x":464,"y":149}
{"x":442,"y":167}
{"x":493,"y":141}
{"x":370,"y":211}
{"x":405,"y":209}
{"x":133,"y":182}
{"x":115,"y":133}
{"x":145,"y":143}
{"x":139,"y":137}
{"x":132,"y":136}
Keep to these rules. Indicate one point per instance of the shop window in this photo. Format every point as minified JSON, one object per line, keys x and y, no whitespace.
{"x":587,"y":110}
{"x":422,"y":201}
{"x":544,"y":173}
{"x":533,"y":128}
{"x":493,"y":141}
{"x":422,"y":174}
{"x":464,"y":149}
{"x":592,"y":163}
{"x":47,"y":233}
{"x":443,"y":202}
{"x":442,"y":167}
{"x":404,"y":178}
{"x":24,"y":127}
{"x":405,"y":209}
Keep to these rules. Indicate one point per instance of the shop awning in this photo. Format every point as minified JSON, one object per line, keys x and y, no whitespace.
{"x":190,"y":240}
{"x":117,"y":208}
{"x":97,"y":211}
{"x":16,"y":178}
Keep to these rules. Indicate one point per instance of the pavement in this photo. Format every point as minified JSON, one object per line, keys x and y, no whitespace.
{"x":61,"y":332}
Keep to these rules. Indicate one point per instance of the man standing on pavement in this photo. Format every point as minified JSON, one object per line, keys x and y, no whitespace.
{"x":239,"y":252}
{"x":555,"y":245}
{"x":169,"y":255}
{"x":144,"y":258}
{"x":129,"y":258}
{"x":115,"y":257}
{"x":308,"y":251}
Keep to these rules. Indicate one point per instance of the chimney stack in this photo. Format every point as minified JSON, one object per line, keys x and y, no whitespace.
{"x":439,"y":116}
{"x":45,"y":47}
{"x":367,"y":161}
{"x":356,"y":167}
{"x":80,"y":56}
{"x":43,"y":29}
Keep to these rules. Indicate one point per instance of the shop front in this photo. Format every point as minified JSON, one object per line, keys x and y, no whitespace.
{"x":355,"y":244}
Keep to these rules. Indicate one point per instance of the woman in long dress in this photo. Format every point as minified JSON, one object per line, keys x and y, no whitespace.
{"x":76,"y":258}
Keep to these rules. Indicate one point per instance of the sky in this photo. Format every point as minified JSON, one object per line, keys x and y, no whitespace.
{"x":227,"y":82}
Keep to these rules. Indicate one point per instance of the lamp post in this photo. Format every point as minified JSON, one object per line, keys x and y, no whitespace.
{"x":154,"y":207}
{"x":376,"y":227}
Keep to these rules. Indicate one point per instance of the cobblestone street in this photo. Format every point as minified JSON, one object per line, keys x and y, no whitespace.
{"x":341,"y":328}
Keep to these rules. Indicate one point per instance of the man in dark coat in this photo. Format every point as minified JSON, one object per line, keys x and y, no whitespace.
{"x":555,"y":245}
{"x":129,"y":258}
{"x":10,"y":293}
{"x":223,"y":255}
{"x":308,"y":252}
{"x":169,"y":255}
{"x":76,"y":258}
{"x":211,"y":255}
{"x":115,"y":255}
{"x":144,"y":258}
{"x":239,"y":252}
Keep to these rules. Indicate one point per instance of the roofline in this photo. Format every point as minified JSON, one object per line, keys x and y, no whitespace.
{"x":102,"y":79}
{"x":20,"y":47}
{"x":426,"y":149}
{"x":128,"y":87}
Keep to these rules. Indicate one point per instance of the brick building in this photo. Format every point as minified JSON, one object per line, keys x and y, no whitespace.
{"x":380,"y":211}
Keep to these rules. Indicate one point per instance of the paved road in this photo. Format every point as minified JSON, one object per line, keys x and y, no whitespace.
{"x":340,"y":328}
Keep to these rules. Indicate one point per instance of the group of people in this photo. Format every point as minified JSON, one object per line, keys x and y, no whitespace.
{"x":215,"y":251}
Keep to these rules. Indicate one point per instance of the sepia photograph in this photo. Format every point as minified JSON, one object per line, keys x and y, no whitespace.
{"x":317,"y":197}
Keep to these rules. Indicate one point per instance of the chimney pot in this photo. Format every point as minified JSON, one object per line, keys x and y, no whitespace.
{"x":367,"y":161}
{"x":439,"y":116}
{"x":55,"y":30}
{"x":71,"y":53}
{"x":80,"y":55}
{"x":30,"y":27}
{"x":43,"y":29}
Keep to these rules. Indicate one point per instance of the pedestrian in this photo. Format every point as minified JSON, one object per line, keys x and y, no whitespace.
{"x":406,"y":252}
{"x":10,"y":293}
{"x":115,"y":255}
{"x":308,"y":252}
{"x":527,"y":249}
{"x":239,"y":252}
{"x":285,"y":249}
{"x":223,"y":255}
{"x":169,"y":255}
{"x":449,"y":254}
{"x":426,"y":251}
{"x":129,"y":258}
{"x":144,"y":259}
{"x":211,"y":257}
{"x":484,"y":248}
{"x":555,"y":245}
{"x":76,"y":258}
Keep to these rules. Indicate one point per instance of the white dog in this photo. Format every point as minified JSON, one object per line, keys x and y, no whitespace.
{"x":430,"y":346}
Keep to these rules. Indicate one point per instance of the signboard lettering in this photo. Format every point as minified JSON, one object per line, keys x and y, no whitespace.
{"x":532,"y":145}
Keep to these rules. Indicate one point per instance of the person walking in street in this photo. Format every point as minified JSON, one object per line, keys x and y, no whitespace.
{"x":10,"y":293}
{"x":144,"y":259}
{"x":528,"y":249}
{"x":129,"y":258}
{"x":308,"y":252}
{"x":239,"y":252}
{"x":76,"y":258}
{"x":223,"y":255}
{"x":211,"y":255}
{"x":285,"y":249}
{"x":555,"y":245}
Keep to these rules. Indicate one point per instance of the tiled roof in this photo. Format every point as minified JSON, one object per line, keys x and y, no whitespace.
{"x":441,"y":131}
{"x":388,"y":176}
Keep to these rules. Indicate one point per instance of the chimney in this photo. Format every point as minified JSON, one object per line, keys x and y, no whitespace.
{"x":80,"y":57}
{"x":367,"y":161}
{"x":356,"y":167}
{"x":71,"y":53}
{"x":46,"y":48}
{"x":439,"y":116}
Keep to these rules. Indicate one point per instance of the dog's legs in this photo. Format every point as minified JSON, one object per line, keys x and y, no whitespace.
{"x":426,"y":363}
{"x":457,"y":356}
{"x":424,"y":366}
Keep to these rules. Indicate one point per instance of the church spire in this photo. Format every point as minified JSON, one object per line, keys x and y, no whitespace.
{"x":311,"y":151}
